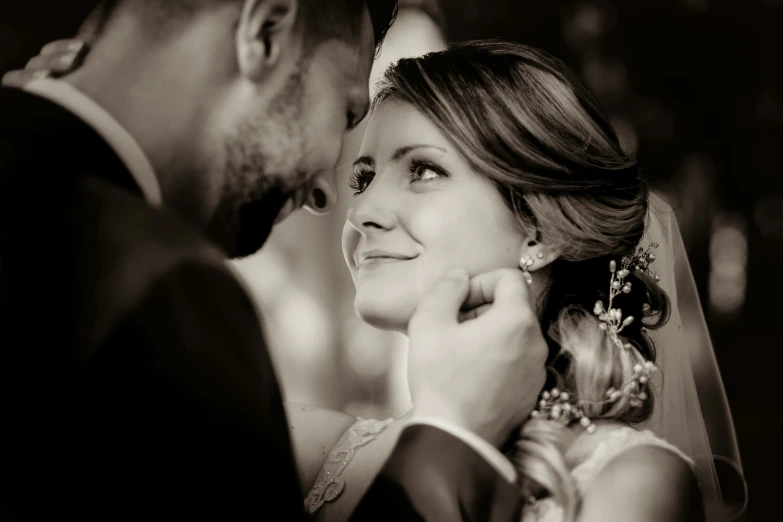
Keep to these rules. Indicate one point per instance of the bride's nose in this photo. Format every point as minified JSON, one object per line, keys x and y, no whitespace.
{"x":371,"y":211}
{"x":323,"y":196}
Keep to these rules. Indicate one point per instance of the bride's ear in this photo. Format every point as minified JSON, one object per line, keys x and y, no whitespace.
{"x":267,"y":37}
{"x":535,"y":255}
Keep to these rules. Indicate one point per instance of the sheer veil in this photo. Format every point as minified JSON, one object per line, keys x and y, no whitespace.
{"x":691,"y":409}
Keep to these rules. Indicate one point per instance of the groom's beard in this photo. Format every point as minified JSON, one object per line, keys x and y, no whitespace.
{"x":261,"y":174}
{"x":242,"y":232}
{"x":245,"y":214}
{"x":256,"y":189}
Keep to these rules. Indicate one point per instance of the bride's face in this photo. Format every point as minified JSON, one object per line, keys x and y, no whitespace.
{"x":419,"y":211}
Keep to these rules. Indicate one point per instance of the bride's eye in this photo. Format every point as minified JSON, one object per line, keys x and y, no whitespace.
{"x":360,"y":180}
{"x":425,"y":171}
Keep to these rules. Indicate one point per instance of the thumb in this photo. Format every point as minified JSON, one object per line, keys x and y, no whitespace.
{"x":512,"y":292}
{"x":444,"y":300}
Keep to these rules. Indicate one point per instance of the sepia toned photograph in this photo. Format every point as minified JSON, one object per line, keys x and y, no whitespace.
{"x":391,"y":260}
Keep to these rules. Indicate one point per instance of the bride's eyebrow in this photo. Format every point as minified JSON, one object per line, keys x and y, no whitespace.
{"x":402,"y":151}
{"x":369,"y":162}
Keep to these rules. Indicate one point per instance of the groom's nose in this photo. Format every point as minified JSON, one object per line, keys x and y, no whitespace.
{"x":323,"y":196}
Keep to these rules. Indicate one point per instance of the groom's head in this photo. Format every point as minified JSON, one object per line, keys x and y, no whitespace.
{"x":235,"y":100}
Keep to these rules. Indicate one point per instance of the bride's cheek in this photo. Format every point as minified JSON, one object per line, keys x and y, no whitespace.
{"x":435,"y":225}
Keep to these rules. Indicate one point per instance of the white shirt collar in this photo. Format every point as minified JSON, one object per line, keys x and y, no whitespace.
{"x":123,"y":144}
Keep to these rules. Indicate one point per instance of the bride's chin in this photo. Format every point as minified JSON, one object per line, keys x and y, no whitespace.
{"x":393,"y":320}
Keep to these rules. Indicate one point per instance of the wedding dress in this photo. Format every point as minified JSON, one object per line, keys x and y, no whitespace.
{"x":615,"y":444}
{"x":330,"y":482}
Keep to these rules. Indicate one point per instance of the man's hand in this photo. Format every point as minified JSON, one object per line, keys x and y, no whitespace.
{"x":56,"y":59}
{"x":485,"y":373}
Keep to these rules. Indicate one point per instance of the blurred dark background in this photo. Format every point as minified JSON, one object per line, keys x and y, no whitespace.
{"x":694,"y":86}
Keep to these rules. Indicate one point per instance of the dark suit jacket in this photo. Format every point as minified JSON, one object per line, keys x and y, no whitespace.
{"x":136,"y":382}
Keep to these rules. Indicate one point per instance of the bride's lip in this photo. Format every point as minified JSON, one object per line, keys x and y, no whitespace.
{"x":379,"y":256}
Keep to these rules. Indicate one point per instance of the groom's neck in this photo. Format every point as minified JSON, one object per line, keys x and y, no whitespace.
{"x":159,"y":92}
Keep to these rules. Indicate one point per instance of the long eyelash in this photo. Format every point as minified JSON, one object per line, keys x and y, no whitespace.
{"x":359,"y":180}
{"x":416,"y":164}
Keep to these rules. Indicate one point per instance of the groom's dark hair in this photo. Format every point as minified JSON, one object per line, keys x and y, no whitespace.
{"x":322,"y":19}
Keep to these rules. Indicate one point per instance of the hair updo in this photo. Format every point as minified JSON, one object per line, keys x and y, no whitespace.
{"x":524,"y":120}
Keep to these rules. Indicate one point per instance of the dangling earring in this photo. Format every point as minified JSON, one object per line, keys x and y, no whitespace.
{"x":525,"y":263}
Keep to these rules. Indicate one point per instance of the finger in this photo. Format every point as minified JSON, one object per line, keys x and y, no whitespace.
{"x":512,"y":290}
{"x":442,"y":303}
{"x":63,"y":47}
{"x":510,"y":300}
{"x":54,"y":63}
{"x":483,"y":286}
{"x":473,"y":313}
{"x":21,"y":78}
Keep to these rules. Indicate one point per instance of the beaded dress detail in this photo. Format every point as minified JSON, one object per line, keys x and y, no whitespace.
{"x":329,"y":483}
{"x":616,"y":443}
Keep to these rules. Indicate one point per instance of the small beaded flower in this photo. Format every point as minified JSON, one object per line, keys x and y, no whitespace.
{"x":641,"y":260}
{"x":612,"y":318}
{"x":631,"y":388}
{"x":559,"y":407}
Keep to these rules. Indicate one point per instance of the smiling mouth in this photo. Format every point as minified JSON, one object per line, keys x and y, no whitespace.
{"x":371,"y":259}
{"x":375,"y":261}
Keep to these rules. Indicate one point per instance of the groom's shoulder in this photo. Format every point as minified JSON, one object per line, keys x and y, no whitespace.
{"x":140,"y":241}
{"x":140,"y":251}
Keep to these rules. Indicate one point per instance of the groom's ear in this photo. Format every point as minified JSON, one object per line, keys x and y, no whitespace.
{"x":266,"y":36}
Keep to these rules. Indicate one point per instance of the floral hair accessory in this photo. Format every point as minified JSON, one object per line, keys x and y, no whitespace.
{"x":612,"y":318}
{"x":559,"y":406}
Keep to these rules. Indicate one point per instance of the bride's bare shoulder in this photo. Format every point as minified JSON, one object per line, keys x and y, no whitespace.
{"x":314,"y":432}
{"x":629,"y":474}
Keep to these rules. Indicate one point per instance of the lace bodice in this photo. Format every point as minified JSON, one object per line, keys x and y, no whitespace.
{"x":330,"y":483}
{"x":615,"y":443}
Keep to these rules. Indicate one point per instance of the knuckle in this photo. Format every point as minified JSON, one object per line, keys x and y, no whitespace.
{"x":38,"y":63}
{"x":61,"y":46}
{"x":51,"y":47}
{"x":62,"y":61}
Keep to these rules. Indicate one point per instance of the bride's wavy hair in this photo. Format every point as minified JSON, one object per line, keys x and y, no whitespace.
{"x":524,"y":120}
